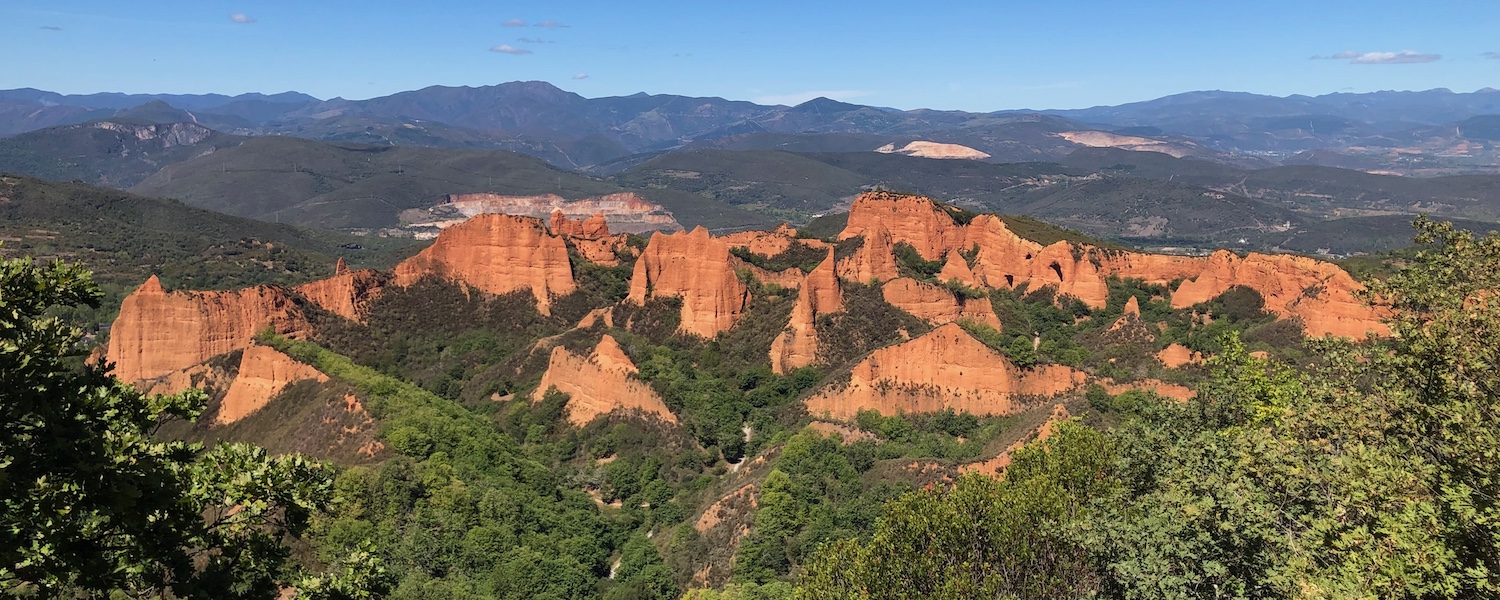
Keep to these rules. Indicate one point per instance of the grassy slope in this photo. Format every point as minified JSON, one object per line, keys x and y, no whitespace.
{"x":98,"y":156}
{"x":125,"y":238}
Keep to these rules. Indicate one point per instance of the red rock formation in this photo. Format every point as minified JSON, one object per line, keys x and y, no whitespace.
{"x":945,"y":368}
{"x":937,"y":304}
{"x":797,"y":345}
{"x":496,"y":254}
{"x":1006,"y":260}
{"x":1320,"y":293}
{"x":765,"y":243}
{"x":592,"y":228}
{"x":697,"y":268}
{"x":874,"y":261}
{"x":911,"y":219}
{"x":599,"y":384}
{"x":957,"y":269}
{"x":158,"y":333}
{"x":1161,"y":388}
{"x":1177,"y":355}
{"x":346,"y":293}
{"x":263,"y":373}
{"x":609,"y":355}
{"x":1132,"y":314}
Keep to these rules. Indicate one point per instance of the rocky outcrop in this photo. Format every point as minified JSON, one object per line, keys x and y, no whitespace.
{"x":911,"y":219}
{"x":599,"y":384}
{"x":957,"y":269}
{"x":1174,"y":391}
{"x":874,"y":261}
{"x":937,"y":304}
{"x":609,"y":355}
{"x":1320,"y":293}
{"x":697,"y":268}
{"x":160,"y":332}
{"x":1176,"y":355}
{"x":496,"y":254}
{"x":591,"y":228}
{"x":944,"y":369}
{"x":262,"y":374}
{"x":797,"y":345}
{"x":346,"y":293}
{"x":591,"y":238}
{"x":764,"y":243}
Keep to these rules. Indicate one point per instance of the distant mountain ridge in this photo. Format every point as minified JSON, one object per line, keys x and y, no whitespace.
{"x":1370,"y":131}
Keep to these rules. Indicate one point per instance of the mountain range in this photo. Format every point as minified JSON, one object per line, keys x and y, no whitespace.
{"x":1428,"y":132}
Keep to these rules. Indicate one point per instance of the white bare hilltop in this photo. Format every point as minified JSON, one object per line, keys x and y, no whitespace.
{"x":934,"y":150}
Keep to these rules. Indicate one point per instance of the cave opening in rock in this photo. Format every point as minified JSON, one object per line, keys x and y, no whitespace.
{"x":1057,"y":269}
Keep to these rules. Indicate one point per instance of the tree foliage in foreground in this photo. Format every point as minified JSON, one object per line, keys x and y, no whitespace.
{"x":91,"y":503}
{"x":985,"y":538}
{"x":1371,"y":473}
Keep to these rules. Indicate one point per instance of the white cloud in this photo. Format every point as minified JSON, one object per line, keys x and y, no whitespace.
{"x":800,"y":97}
{"x":527,"y":40}
{"x":1492,"y":55}
{"x":513,"y":23}
{"x":509,"y":49}
{"x":581,"y":76}
{"x":241,"y":18}
{"x":1404,"y":57}
{"x":550,"y":24}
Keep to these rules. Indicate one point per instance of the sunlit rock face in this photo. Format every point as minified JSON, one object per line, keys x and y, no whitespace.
{"x":697,"y":268}
{"x":496,"y":254}
{"x":797,"y":345}
{"x":599,"y":384}
{"x":160,"y":332}
{"x":944,"y":369}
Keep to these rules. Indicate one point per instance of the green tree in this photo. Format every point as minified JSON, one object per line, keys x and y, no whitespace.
{"x":1370,"y":474}
{"x":984,"y":538}
{"x":92,"y":503}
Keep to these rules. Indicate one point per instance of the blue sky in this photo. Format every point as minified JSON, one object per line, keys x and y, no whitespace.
{"x":977,"y":56}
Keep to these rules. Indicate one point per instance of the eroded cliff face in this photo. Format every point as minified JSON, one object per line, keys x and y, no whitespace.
{"x":770,"y":243}
{"x":697,"y":268}
{"x":1319,"y":293}
{"x":911,"y":219}
{"x":496,"y":254}
{"x":797,"y":345}
{"x":263,"y":373}
{"x":1176,"y":355}
{"x":956,"y":268}
{"x":160,"y":332}
{"x":591,"y":237}
{"x":936,"y":304}
{"x":874,"y":261}
{"x":599,"y":384}
{"x":946,"y":368}
{"x":592,"y":228}
{"x":346,"y":293}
